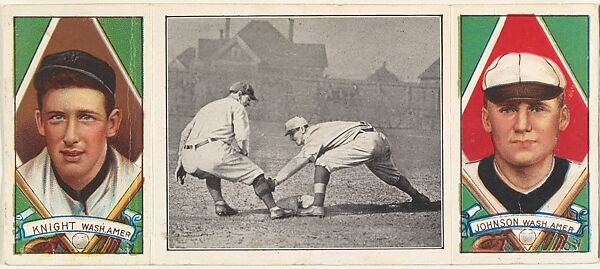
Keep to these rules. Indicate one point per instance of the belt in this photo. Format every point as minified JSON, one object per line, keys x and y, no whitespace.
{"x":200,"y":144}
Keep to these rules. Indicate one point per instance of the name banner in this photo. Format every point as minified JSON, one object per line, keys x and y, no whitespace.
{"x":78,"y":224}
{"x":534,"y":221}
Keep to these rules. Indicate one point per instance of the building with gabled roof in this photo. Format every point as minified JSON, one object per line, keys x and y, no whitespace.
{"x":432,"y":73}
{"x":260,"y":48}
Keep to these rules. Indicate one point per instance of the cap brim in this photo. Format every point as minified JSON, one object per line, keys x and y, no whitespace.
{"x":522,"y":91}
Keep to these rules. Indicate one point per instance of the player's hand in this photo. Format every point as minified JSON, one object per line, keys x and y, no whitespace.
{"x":181,"y":175}
{"x":272,"y":183}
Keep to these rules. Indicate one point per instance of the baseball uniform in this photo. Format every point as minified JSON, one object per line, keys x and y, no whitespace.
{"x":208,"y":143}
{"x":97,"y":199}
{"x":339,"y":144}
{"x":543,"y":198}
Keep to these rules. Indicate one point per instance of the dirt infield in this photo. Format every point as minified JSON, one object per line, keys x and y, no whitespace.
{"x":362,"y":211}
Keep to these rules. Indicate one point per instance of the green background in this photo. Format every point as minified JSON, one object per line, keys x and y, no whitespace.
{"x":571,"y":36}
{"x":125,"y":37}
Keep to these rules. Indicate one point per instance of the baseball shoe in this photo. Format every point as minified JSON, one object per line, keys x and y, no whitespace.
{"x":280,"y":213}
{"x":312,"y":211}
{"x":225,"y":210}
{"x":420,"y":199}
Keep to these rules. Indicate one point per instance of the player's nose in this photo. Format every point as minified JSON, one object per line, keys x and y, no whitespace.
{"x":522,"y":121}
{"x":71,"y":134}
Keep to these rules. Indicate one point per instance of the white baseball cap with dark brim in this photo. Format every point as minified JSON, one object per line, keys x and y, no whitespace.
{"x":522,"y":76}
{"x":293,"y":123}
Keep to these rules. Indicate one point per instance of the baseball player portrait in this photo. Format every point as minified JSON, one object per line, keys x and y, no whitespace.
{"x":215,"y":145}
{"x":335,"y":145}
{"x":78,"y":172}
{"x":524,"y":110}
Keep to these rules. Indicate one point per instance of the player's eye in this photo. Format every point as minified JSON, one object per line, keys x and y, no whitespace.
{"x":507,"y":109}
{"x":538,"y":109}
{"x":56,"y":117}
{"x":86,"y":117}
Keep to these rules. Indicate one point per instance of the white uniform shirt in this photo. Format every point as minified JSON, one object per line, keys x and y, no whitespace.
{"x":320,"y":138}
{"x":39,"y":175}
{"x":224,"y":119}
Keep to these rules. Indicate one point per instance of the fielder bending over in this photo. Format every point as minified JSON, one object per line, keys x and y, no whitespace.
{"x":336,"y":145}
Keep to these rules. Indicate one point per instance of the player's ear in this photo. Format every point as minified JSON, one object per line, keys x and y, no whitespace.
{"x":485,"y":119}
{"x":39,"y":123}
{"x":564,"y":118}
{"x":114,"y":121}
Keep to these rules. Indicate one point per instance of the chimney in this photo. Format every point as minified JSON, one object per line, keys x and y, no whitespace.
{"x":291,"y":30}
{"x":221,"y":34}
{"x":227,"y":27}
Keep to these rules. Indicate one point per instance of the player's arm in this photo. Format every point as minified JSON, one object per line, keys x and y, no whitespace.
{"x":179,"y":171}
{"x":294,"y":165}
{"x":185,"y":134}
{"x":241,"y":129}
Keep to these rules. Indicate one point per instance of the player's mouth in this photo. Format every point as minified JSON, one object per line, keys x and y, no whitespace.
{"x":71,"y":155}
{"x":523,"y":142}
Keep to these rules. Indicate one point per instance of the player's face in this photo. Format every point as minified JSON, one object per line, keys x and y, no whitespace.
{"x":245,"y":100}
{"x":525,"y":132}
{"x":298,"y":136}
{"x":75,"y":126}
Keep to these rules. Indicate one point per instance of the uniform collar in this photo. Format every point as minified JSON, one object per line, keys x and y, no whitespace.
{"x":514,"y":201}
{"x":91,"y":187}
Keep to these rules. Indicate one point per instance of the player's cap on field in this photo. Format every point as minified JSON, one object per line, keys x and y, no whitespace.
{"x":76,"y":61}
{"x":293,"y":123}
{"x":243,"y":87}
{"x":522,"y":76}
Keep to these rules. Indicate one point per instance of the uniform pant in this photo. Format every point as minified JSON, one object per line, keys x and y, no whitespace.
{"x":369,"y":148}
{"x":221,"y":160}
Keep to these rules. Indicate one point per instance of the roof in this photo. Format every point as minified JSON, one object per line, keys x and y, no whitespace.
{"x":432,"y":72}
{"x":382,"y":74}
{"x":186,"y":57}
{"x":207,"y":47}
{"x":270,"y":46}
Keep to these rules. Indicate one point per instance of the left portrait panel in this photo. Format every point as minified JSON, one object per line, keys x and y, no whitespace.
{"x":78,"y":135}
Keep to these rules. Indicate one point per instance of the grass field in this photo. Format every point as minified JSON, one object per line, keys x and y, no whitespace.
{"x":362,"y":211}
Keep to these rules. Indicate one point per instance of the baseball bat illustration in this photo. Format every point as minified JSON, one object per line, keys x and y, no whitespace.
{"x":135,"y":186}
{"x":39,"y":207}
{"x":562,"y":206}
{"x":512,"y":238}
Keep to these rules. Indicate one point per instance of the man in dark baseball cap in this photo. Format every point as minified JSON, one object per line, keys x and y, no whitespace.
{"x":78,"y":172}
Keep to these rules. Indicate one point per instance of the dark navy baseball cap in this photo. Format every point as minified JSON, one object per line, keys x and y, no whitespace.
{"x":80,"y":62}
{"x":243,"y":87}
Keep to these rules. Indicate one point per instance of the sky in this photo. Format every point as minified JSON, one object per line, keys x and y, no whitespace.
{"x":356,"y":46}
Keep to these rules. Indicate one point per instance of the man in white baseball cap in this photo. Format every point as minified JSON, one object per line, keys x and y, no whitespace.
{"x":335,"y":145}
{"x":523,"y":111}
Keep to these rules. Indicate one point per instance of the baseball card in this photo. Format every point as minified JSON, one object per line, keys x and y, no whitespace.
{"x":169,"y":134}
{"x":77,"y":85}
{"x":528,"y":133}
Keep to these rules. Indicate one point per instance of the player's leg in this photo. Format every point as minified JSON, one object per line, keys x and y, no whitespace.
{"x":213,"y":184}
{"x":321,"y":179}
{"x":384,"y":168}
{"x":264,"y":191}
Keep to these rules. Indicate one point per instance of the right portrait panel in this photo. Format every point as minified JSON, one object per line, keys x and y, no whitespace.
{"x":524,"y":82}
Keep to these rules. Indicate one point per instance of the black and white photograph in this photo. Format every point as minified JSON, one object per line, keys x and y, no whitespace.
{"x":304,"y":132}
